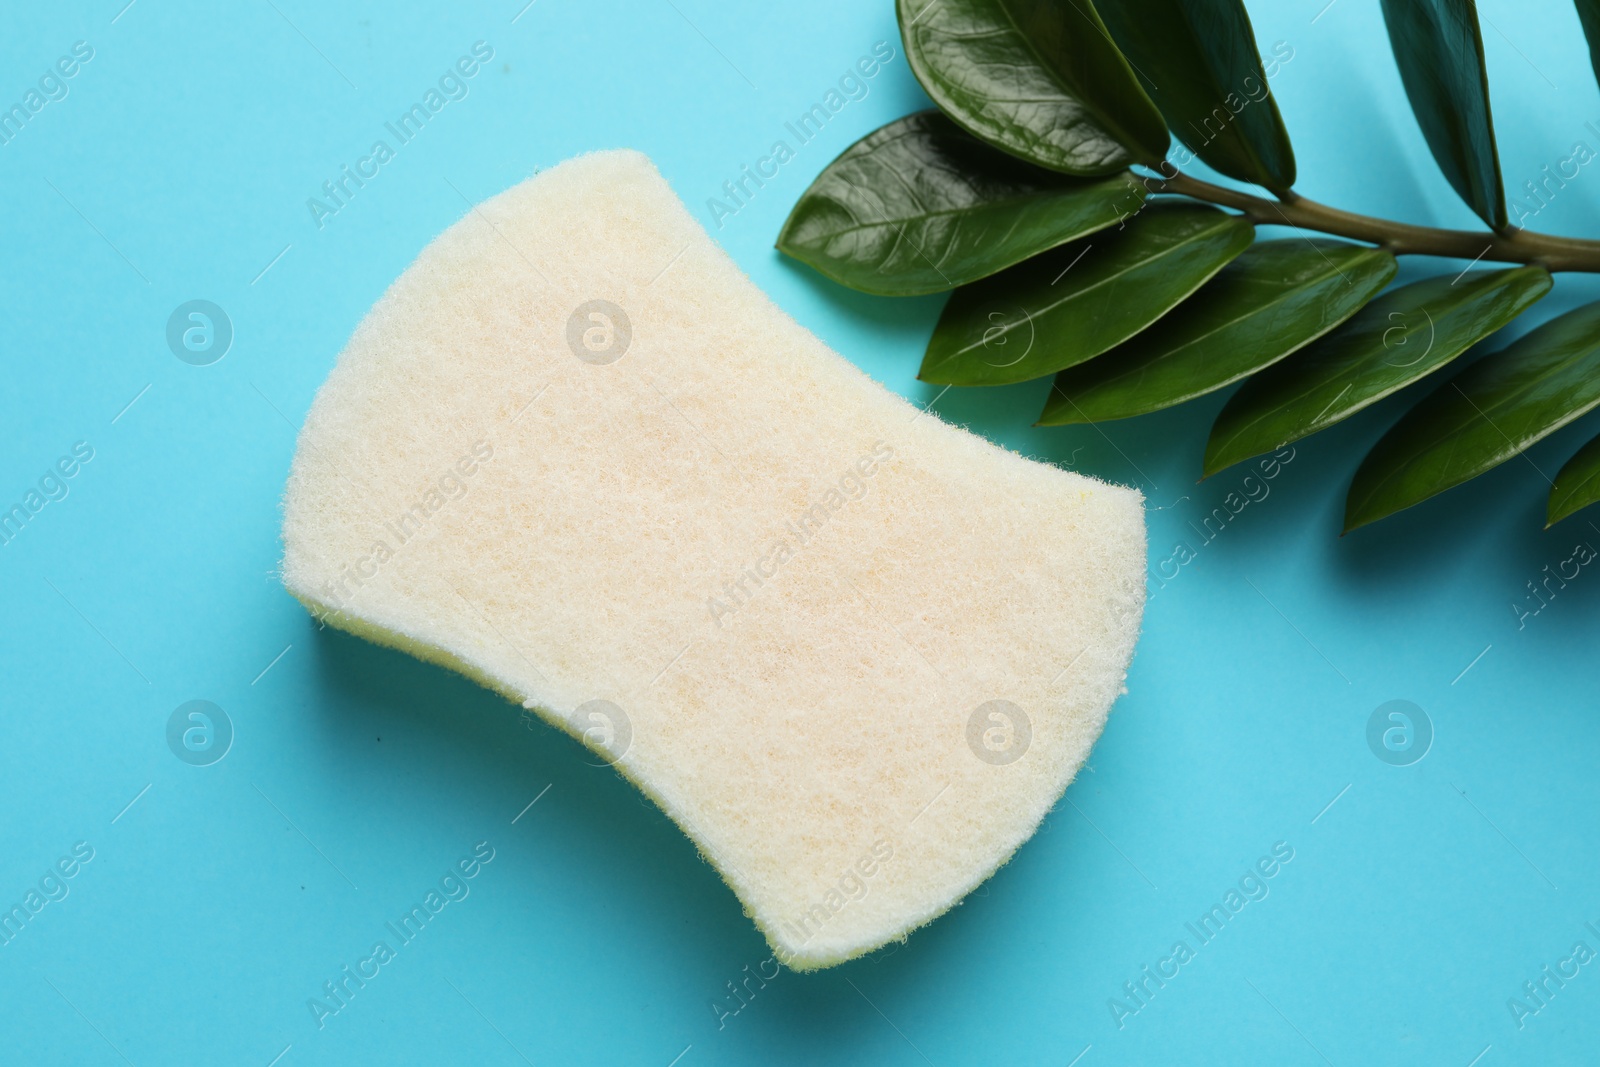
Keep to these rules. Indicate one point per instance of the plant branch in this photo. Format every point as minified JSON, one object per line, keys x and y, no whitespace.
{"x":1517,"y":246}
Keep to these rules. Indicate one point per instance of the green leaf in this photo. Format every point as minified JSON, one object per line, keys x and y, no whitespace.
{"x":1439,"y":49}
{"x":1079,"y":300}
{"x":1577,"y":484}
{"x":1589,"y":15}
{"x":1368,"y":358}
{"x":921,"y":206}
{"x":1038,"y":78}
{"x":1198,"y":61}
{"x":1491,"y":411}
{"x":1273,"y":299}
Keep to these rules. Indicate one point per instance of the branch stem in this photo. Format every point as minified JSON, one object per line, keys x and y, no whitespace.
{"x":1516,"y":246}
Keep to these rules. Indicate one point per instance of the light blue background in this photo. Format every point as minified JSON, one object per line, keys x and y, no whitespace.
{"x":225,"y":896}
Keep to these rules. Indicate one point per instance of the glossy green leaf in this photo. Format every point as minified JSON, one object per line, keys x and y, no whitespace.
{"x":1079,"y":300}
{"x":1491,"y":411}
{"x":921,"y":206}
{"x":1439,"y":49}
{"x":1038,"y":78}
{"x":1272,"y":300}
{"x":1397,"y":339}
{"x":1198,"y":61}
{"x":1577,"y":484}
{"x":1589,"y":15}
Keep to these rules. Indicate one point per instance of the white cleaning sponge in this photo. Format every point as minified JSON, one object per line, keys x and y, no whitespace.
{"x":855,"y":653}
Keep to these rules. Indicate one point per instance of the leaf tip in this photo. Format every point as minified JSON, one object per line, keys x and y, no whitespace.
{"x":1356,"y":515}
{"x":1352,"y":521}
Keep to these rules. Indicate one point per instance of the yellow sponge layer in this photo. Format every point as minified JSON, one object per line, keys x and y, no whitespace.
{"x":854,"y":652}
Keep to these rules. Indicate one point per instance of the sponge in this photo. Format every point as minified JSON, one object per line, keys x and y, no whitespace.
{"x":855,"y":653}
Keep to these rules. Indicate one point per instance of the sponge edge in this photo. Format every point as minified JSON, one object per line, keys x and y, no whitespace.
{"x":855,"y":653}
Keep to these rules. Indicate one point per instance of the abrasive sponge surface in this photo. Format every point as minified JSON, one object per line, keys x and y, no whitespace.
{"x":856,"y":653}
